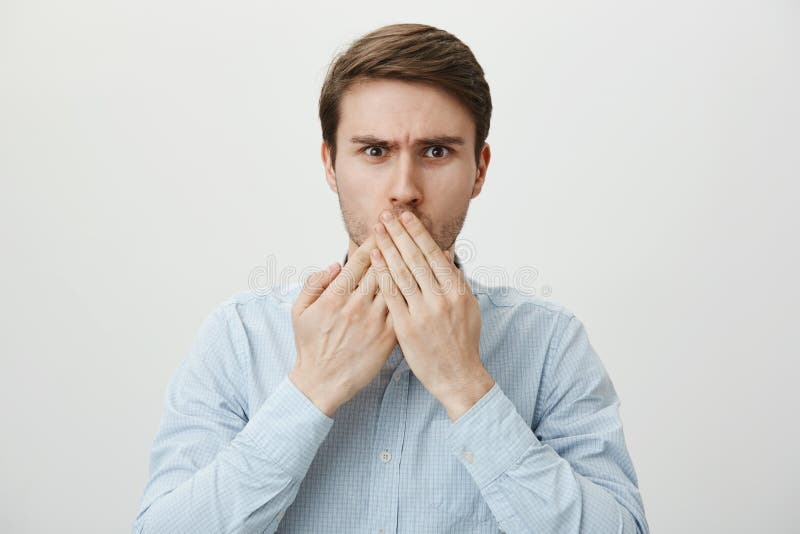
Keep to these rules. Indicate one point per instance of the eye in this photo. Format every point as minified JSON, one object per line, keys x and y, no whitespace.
{"x":437,"y":151}
{"x":374,"y":151}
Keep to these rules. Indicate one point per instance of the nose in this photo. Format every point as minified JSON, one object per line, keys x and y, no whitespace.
{"x":404,"y":189}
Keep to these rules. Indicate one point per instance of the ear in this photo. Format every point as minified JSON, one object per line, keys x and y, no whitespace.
{"x":330,"y":174}
{"x":483,"y":165}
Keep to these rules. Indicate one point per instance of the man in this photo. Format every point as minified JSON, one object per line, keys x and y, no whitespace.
{"x":394,"y":394}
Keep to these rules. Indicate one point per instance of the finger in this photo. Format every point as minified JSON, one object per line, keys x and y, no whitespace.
{"x":390,"y":324}
{"x":389,"y":291}
{"x":368,"y":287}
{"x":412,"y":255}
{"x":353,"y":271}
{"x":398,"y":269}
{"x":379,"y":306}
{"x":441,"y":262}
{"x":452,"y":279}
{"x":313,"y":287}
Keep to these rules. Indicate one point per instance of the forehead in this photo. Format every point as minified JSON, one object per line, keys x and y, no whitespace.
{"x":396,"y":109}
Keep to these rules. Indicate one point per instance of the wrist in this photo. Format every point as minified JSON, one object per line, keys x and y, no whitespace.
{"x":461,"y":398}
{"x":326,"y":403}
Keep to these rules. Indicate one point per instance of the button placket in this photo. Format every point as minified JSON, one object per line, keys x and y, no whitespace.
{"x":389,"y":436}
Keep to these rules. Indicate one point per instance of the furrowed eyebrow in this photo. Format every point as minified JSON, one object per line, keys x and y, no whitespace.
{"x":442,"y":140}
{"x":438,"y":140}
{"x":370,"y":140}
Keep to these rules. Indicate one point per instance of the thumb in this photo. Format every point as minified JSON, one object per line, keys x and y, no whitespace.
{"x":313,"y":287}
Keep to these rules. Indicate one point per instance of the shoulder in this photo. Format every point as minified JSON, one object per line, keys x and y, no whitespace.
{"x":524,"y":302}
{"x":244,"y":313}
{"x":274,"y":299}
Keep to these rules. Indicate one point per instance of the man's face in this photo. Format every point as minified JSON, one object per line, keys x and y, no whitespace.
{"x":404,"y":146}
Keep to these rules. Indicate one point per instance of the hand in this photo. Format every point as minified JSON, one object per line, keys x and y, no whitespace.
{"x":343,"y":332}
{"x":436,"y":316}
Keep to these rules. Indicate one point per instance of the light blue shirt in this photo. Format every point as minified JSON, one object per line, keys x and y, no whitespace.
{"x":241,"y":449}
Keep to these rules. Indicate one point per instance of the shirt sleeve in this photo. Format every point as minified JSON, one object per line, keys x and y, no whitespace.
{"x":213,"y":469}
{"x":573,"y":473}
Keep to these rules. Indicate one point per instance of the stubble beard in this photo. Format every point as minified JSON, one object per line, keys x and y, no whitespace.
{"x":445,"y":234}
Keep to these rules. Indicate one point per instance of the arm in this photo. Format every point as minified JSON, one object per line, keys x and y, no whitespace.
{"x":573,"y":474}
{"x":213,"y":469}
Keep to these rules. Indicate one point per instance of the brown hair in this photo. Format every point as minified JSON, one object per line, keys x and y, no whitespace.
{"x":411,"y":52}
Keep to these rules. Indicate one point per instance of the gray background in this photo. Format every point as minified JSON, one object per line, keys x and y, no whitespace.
{"x":154,"y":155}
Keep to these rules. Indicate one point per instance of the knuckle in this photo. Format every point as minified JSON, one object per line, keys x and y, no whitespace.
{"x":406,"y":286}
{"x":430,"y":250}
{"x":350,"y":311}
{"x":312,"y":282}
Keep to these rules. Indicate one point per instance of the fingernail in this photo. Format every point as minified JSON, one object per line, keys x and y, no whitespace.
{"x":332,"y":267}
{"x":386,"y":216}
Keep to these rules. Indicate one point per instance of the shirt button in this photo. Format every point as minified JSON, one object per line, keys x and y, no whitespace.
{"x":468,"y":456}
{"x":396,"y":378}
{"x":385,"y":456}
{"x":380,"y":532}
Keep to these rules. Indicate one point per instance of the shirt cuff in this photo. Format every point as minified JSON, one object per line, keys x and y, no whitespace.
{"x":490,"y":437}
{"x":288,"y":429}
